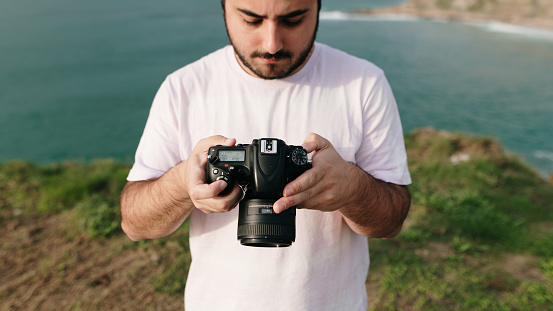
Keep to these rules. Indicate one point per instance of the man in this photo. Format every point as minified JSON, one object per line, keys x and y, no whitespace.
{"x":274,"y":81}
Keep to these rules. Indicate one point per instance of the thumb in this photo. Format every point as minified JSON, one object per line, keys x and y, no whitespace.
{"x":315,"y":142}
{"x":206,"y":143}
{"x":222,"y":140}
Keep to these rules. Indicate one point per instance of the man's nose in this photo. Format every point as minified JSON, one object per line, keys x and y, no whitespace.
{"x":272,"y":41}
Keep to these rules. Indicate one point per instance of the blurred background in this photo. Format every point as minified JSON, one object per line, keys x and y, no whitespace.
{"x":77,"y":77}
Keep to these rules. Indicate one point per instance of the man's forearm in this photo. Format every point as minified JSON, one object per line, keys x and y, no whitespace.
{"x":154,"y":208}
{"x":377,"y":208}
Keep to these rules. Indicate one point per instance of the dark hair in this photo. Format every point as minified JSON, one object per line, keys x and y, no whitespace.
{"x":223,"y":4}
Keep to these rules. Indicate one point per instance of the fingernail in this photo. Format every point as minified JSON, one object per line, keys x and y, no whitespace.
{"x":279,"y":208}
{"x":287,"y":192}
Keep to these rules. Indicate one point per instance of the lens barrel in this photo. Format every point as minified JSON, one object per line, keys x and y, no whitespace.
{"x":259,"y":226}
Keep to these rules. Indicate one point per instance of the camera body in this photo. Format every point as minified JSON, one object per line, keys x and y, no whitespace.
{"x":262,"y":169}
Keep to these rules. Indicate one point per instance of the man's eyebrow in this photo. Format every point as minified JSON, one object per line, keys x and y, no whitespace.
{"x":294,"y":13}
{"x":288,"y":15}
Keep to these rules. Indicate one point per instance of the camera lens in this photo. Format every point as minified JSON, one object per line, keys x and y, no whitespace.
{"x":259,"y":226}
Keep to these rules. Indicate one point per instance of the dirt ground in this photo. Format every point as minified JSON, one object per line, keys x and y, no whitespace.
{"x":47,"y":265}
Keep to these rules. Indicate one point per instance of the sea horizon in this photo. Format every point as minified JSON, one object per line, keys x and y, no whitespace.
{"x":78,"y":79}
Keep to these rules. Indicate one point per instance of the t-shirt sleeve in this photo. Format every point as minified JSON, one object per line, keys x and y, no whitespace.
{"x":158,"y":150}
{"x":383,"y":152}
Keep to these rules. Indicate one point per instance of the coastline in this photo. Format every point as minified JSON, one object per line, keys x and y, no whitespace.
{"x":536,"y":14}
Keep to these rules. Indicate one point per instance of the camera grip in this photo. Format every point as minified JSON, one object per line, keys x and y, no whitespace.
{"x":229,"y":179}
{"x":226,"y":173}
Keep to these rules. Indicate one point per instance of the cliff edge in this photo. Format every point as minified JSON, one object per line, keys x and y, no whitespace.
{"x":529,"y":13}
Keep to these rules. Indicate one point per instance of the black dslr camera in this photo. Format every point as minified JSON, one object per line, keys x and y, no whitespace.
{"x":262,"y":168}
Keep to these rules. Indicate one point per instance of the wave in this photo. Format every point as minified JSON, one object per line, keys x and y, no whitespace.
{"x":344,"y":16}
{"x":500,"y":27}
{"x":540,"y":154}
{"x":491,"y":26}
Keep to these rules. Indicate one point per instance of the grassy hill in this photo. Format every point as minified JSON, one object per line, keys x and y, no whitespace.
{"x":479,"y":237}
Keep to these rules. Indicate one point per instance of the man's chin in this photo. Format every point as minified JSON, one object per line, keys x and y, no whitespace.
{"x":274,"y":76}
{"x":269,"y":72}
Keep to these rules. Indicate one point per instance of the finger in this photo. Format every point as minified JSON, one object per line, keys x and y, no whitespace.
{"x":233,"y":199}
{"x":229,"y":142}
{"x":203,"y":191}
{"x":239,"y":198}
{"x":199,"y":154}
{"x":303,"y":182}
{"x":220,"y":204}
{"x":204,"y":144}
{"x":285,"y":203}
{"x":314,"y":142}
{"x":280,"y":205}
{"x":299,"y":190}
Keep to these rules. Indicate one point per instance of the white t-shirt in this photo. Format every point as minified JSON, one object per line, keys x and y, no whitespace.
{"x":346,"y":100}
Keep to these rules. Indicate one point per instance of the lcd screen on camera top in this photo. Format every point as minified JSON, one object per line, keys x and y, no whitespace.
{"x":232,"y":155}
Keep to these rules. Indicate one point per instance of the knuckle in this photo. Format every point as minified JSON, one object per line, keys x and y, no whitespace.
{"x":206,"y":209}
{"x":221,"y":206}
{"x":295,"y":187}
{"x":290,"y":201}
{"x":313,"y":178}
{"x":308,"y":193}
{"x":330,"y":196}
{"x":330,"y":185}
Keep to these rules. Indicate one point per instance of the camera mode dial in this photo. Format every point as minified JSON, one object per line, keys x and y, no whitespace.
{"x":298,"y":157}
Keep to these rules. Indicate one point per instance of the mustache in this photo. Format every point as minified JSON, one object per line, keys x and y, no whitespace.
{"x":278,"y":55}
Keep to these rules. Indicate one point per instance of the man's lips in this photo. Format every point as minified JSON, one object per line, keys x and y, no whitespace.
{"x":270,"y":60}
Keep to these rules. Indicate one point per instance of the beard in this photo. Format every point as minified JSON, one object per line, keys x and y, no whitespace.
{"x":289,"y":62}
{"x":275,"y":71}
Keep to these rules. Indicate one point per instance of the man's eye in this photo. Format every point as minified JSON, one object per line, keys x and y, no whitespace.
{"x":292,"y":22}
{"x":254,"y":22}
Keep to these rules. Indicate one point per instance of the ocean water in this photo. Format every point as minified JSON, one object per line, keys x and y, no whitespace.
{"x":77,"y":77}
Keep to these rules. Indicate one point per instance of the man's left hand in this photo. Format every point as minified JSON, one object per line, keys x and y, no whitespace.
{"x":326,"y":186}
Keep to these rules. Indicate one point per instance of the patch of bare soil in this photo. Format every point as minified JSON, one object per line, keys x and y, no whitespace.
{"x":434,"y":252}
{"x":522,"y":267}
{"x":45,"y":264}
{"x":518,"y":266}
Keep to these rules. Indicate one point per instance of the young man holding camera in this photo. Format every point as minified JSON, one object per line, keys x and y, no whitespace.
{"x":273,"y":81}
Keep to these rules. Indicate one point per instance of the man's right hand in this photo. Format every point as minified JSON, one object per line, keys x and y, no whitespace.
{"x":205,"y":197}
{"x":157,"y":207}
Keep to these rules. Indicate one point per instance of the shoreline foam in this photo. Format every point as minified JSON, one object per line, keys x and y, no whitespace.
{"x":486,"y":24}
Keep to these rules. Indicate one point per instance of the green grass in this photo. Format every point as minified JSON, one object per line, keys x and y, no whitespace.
{"x":479,"y":235}
{"x":468,"y":220}
{"x":48,"y":189}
